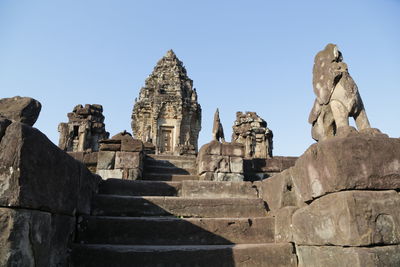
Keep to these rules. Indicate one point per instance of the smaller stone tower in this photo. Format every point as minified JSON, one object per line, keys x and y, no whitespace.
{"x":84,"y":130}
{"x":167,"y":113}
{"x":252,"y":131}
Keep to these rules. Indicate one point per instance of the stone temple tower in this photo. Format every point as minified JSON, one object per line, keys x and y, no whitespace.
{"x":167,"y":113}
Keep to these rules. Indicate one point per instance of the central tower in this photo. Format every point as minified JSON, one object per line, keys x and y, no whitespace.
{"x":167,"y":113}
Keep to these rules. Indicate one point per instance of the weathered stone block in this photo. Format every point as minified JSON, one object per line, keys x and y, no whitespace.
{"x":20,"y":109}
{"x":90,"y":158}
{"x":34,"y":238}
{"x":131,"y":145}
{"x":191,"y":188}
{"x":275,"y":164}
{"x":283,"y":224}
{"x":212,"y":148}
{"x":3,"y":126}
{"x":110,"y":147}
{"x":236,"y":164}
{"x":77,"y":155}
{"x":88,"y":186}
{"x":349,"y":218}
{"x":233,"y":177}
{"x":36,"y":174}
{"x":233,"y":149}
{"x":356,"y":162}
{"x":206,"y":176}
{"x":278,"y":191}
{"x":333,"y":256}
{"x":107,"y":174}
{"x":213,"y":163}
{"x":128,"y":160}
{"x":106,"y":160}
{"x":134,"y":174}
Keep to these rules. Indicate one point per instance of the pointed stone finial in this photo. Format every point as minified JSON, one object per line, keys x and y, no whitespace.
{"x":170,"y":53}
{"x":218,"y":130}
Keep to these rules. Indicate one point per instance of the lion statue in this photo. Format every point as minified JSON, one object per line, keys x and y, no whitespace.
{"x":337,"y":96}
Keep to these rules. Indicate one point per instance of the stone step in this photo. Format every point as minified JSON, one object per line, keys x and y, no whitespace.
{"x":168,"y":177}
{"x":189,"y":188}
{"x":177,"y":163}
{"x":139,"y":188}
{"x":170,"y":157}
{"x":242,"y":255}
{"x":168,"y":170}
{"x":218,"y":189}
{"x":113,"y":205}
{"x":174,"y":231}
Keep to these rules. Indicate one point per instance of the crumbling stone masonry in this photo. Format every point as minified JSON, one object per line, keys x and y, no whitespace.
{"x":167,"y":113}
{"x":120,"y":157}
{"x":84,"y":130}
{"x":252,"y":131}
{"x":220,"y":160}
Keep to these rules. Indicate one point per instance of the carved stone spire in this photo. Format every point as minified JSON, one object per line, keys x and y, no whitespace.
{"x":167,"y":109}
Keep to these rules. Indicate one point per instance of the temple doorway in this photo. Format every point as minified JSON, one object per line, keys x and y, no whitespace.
{"x":166,"y":139}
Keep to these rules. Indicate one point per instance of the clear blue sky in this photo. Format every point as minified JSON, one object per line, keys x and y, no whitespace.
{"x":241,"y":55}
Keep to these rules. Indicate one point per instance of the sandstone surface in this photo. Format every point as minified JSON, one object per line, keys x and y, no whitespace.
{"x":21,"y":109}
{"x":36,"y":174}
{"x":350,"y":218}
{"x":358,"y":162}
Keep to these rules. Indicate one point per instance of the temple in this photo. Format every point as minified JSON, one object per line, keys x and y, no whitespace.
{"x":167,"y":113}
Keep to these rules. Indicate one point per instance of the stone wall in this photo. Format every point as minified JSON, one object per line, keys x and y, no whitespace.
{"x":339,"y":203}
{"x":121,"y":157}
{"x":221,"y":162}
{"x":42,"y":190}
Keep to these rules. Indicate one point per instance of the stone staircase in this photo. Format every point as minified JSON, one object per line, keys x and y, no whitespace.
{"x":169,"y":168}
{"x":178,"y":223}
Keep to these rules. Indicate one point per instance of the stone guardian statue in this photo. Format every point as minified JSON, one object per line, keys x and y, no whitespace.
{"x":337,"y":96}
{"x":218,"y":130}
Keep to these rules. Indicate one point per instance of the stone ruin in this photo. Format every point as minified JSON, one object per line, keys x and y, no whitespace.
{"x":251,"y":130}
{"x":220,"y":160}
{"x":167,"y":113}
{"x":120,"y":157}
{"x":336,"y":205}
{"x":84,"y":130}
